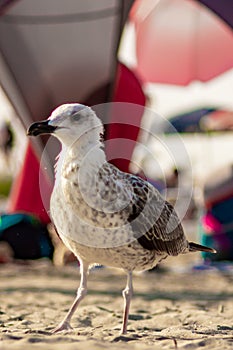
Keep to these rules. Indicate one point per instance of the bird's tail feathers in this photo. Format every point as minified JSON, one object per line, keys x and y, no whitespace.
{"x":194,"y":247}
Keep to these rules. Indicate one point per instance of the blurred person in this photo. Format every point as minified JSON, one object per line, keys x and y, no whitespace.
{"x":173,"y":178}
{"x":6,"y":139}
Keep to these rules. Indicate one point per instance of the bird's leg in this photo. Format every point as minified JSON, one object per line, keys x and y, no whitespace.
{"x":81,"y":292}
{"x":127,"y":294}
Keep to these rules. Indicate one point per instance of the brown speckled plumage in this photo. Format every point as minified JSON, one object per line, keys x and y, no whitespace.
{"x":103,"y":215}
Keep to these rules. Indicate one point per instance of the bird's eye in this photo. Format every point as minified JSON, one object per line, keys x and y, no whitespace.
{"x":76,"y":116}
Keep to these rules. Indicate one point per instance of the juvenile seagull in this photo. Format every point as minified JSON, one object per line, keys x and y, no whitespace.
{"x":102,"y":214}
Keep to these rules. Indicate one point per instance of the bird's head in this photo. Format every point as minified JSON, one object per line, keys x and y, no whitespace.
{"x":69,"y":122}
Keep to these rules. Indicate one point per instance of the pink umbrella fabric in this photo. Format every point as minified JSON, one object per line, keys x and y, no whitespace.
{"x":178,"y":41}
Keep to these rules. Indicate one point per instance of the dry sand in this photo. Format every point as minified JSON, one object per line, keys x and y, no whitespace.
{"x":183,"y":310}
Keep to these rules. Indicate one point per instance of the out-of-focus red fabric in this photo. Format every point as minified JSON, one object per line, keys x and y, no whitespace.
{"x":31,"y":189}
{"x":125,"y":117}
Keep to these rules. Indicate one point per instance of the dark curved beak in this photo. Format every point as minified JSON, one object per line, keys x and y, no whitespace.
{"x":40,"y":128}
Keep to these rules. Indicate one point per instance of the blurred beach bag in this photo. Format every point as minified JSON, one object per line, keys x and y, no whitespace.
{"x":26,"y":235}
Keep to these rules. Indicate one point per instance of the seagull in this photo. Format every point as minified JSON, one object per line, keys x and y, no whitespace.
{"x":103,"y":215}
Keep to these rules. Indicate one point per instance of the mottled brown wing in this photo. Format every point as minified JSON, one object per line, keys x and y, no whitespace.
{"x":154,"y":221}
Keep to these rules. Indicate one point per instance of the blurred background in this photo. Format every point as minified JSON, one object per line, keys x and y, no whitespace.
{"x":165,"y":67}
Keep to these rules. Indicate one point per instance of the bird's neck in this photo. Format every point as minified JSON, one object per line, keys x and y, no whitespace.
{"x":86,"y":153}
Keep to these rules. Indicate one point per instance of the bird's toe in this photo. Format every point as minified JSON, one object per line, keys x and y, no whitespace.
{"x":63,"y":326}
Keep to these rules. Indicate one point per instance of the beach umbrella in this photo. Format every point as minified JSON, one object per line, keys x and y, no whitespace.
{"x":200,"y":120}
{"x":188,"y":122}
{"x":178,"y":41}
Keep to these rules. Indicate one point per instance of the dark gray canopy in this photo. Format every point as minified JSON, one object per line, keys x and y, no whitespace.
{"x":55,"y":51}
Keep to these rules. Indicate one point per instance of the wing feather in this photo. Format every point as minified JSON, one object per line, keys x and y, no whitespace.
{"x":154,"y":220}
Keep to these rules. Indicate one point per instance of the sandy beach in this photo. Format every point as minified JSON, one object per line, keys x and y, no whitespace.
{"x":170,"y":309}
